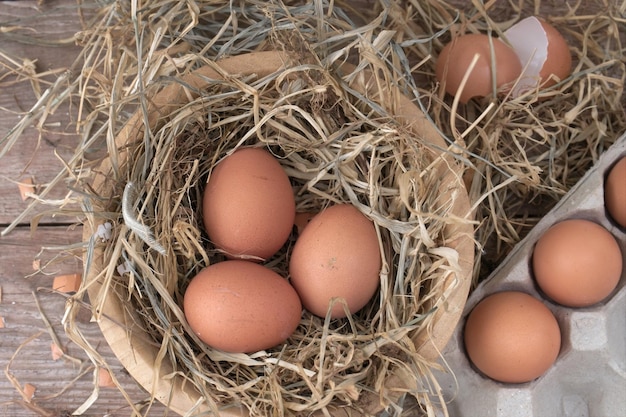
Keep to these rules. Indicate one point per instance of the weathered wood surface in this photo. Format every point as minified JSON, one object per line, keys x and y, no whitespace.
{"x":26,"y":335}
{"x":42,"y":31}
{"x":24,"y":26}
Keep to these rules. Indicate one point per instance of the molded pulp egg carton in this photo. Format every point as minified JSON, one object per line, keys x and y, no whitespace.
{"x":589,"y":375}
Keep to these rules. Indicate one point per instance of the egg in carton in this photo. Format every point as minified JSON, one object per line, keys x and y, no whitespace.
{"x":588,"y":376}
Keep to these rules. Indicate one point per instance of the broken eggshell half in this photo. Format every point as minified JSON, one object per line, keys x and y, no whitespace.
{"x":542,"y":51}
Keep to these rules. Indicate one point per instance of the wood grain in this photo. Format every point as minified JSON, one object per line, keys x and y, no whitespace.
{"x":26,"y":333}
{"x":25,"y":27}
{"x":42,"y":32}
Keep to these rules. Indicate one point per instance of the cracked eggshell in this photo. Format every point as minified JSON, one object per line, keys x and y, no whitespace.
{"x":455,"y":60}
{"x":543,"y":52}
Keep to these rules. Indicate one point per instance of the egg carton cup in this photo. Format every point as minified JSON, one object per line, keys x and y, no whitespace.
{"x":589,"y":375}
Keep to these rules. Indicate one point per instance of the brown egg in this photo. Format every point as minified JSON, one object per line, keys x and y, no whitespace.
{"x":249,"y":206}
{"x":577,"y":263}
{"x":337,"y":255}
{"x":542,"y":51}
{"x":559,"y":60}
{"x":615,"y":192}
{"x":512,"y":337}
{"x":241,"y":306}
{"x":455,"y":59}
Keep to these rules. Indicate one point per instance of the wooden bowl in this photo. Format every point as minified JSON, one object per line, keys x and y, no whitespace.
{"x":132,"y":345}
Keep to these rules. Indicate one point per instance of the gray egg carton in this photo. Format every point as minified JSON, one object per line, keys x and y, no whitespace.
{"x":589,"y":375}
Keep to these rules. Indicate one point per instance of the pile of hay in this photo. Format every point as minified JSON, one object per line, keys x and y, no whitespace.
{"x":522,"y":154}
{"x":520,"y":157}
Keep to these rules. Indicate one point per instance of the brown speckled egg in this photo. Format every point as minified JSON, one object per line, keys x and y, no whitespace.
{"x":512,"y":337}
{"x":248,"y":205}
{"x":455,"y":59}
{"x":615,"y":192}
{"x":577,"y":263}
{"x":241,"y":306}
{"x":336,"y":255}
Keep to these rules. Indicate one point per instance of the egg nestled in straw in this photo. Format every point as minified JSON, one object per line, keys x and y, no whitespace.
{"x":531,"y":54}
{"x":248,"y":205}
{"x":337,"y":256}
{"x":457,"y":59}
{"x":241,"y":306}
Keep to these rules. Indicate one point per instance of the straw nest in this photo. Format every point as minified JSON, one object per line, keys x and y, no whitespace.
{"x":520,"y":157}
{"x":337,"y":146}
{"x":338,"y":143}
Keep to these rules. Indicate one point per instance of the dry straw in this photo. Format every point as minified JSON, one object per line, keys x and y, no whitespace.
{"x":521,"y":156}
{"x":336,"y":142}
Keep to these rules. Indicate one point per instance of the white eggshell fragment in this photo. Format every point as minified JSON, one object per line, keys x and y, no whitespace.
{"x":530,"y":43}
{"x":543,"y":53}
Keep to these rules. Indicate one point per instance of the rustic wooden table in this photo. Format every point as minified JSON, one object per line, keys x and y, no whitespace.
{"x":42,"y":33}
{"x":37,"y":37}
